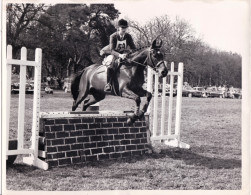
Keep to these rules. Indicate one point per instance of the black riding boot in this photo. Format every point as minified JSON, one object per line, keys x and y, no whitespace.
{"x":108,"y":87}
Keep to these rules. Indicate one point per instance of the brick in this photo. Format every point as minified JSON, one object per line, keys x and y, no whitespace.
{"x":115,"y":155}
{"x":108,"y":149}
{"x":63,"y":148}
{"x":102,"y":144}
{"x":119,"y":137}
{"x":131,"y":147}
{"x":107,"y":137}
{"x":106,"y":125}
{"x":126,"y":154}
{"x":49,"y":121}
{"x":62,"y":134}
{"x":123,"y":130}
{"x":83,"y":139}
{"x":126,"y":125}
{"x":57,"y":142}
{"x":136,"y":153}
{"x":69,"y":127}
{"x":75,"y":120}
{"x":119,"y":148}
{"x":96,"y":138}
{"x":113,"y":143}
{"x":53,"y":163}
{"x":134,"y":130}
{"x":143,"y":140}
{"x":70,"y":140}
{"x":138,"y":124}
{"x":65,"y":161}
{"x":71,"y":153}
{"x":118,"y":125}
{"x":92,"y":158}
{"x":87,"y":120}
{"x":143,"y":129}
{"x":47,"y":128}
{"x":49,"y":156}
{"x":51,"y":149}
{"x":144,"y":134}
{"x":87,"y":152}
{"x":113,"y":119}
{"x":76,"y":160}
{"x":76,"y":133}
{"x":100,"y":120}
{"x":144,"y":123}
{"x":50,"y":135}
{"x":135,"y":141}
{"x":56,"y":128}
{"x":139,"y":135}
{"x":59,"y":155}
{"x":113,"y":131}
{"x":61,"y":121}
{"x":77,"y":146}
{"x":141,"y":146}
{"x":103,"y":156}
{"x":101,"y":131}
{"x":96,"y":150}
{"x":94,"y":125}
{"x":81,"y":126}
{"x":125,"y":142}
{"x":122,"y":119}
{"x":130,"y":136}
{"x":89,"y":132}
{"x":90,"y":145}
{"x":48,"y":142}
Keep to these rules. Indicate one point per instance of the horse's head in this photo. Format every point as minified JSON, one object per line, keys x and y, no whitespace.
{"x":156,"y":58}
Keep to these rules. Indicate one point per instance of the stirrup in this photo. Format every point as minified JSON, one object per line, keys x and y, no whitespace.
{"x":108,"y":87}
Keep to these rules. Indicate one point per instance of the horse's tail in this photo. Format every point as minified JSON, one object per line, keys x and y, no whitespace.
{"x":75,"y":85}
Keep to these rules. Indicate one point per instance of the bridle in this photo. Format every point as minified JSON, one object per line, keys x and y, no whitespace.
{"x":153,"y":66}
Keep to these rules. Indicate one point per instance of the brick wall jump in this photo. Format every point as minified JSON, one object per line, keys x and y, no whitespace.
{"x":80,"y":139}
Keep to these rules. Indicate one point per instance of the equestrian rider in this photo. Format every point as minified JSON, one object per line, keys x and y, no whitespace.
{"x":119,"y":42}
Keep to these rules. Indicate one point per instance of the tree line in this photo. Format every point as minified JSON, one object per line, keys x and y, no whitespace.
{"x":71,"y":36}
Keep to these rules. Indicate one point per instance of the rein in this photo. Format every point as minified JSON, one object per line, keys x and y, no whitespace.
{"x":153,"y":67}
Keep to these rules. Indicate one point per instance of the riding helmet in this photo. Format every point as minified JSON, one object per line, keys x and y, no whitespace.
{"x":123,"y":23}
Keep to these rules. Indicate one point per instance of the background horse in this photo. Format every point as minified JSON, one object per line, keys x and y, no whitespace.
{"x":89,"y":85}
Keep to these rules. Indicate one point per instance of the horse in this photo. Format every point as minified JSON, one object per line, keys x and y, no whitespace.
{"x":88,"y":86}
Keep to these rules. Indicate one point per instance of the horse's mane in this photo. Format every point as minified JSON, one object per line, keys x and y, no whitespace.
{"x":135,"y":52}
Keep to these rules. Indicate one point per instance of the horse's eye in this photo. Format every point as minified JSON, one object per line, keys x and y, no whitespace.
{"x":158,"y":52}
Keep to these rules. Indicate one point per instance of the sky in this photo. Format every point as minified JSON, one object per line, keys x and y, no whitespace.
{"x":222,"y":24}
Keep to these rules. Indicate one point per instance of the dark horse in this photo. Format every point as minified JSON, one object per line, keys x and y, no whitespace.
{"x":128,"y":81}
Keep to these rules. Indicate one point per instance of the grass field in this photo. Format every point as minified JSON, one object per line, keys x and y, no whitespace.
{"x":211,"y":126}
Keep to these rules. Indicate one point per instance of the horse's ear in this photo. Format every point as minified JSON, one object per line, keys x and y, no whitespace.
{"x":157,"y":43}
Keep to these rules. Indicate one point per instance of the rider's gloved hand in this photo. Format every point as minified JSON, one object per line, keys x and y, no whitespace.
{"x":122,"y":56}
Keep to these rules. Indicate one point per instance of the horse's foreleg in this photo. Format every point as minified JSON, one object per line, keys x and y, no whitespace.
{"x":127,"y":93}
{"x":148,"y":95}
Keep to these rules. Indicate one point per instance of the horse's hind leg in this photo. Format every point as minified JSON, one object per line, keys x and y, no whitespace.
{"x":81,"y":96}
{"x":92,"y":99}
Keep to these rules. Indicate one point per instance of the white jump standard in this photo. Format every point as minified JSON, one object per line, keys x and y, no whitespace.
{"x":171,"y":139}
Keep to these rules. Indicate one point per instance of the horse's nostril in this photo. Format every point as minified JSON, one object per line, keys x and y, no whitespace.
{"x":164,"y":73}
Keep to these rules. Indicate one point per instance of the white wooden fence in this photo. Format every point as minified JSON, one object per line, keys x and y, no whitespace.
{"x":170,"y":138}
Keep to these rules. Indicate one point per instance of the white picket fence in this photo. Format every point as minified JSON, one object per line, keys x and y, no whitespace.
{"x":33,"y":151}
{"x":166,"y":134}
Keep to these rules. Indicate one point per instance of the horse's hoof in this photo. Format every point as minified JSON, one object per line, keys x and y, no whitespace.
{"x":141,"y":114}
{"x":129,"y":121}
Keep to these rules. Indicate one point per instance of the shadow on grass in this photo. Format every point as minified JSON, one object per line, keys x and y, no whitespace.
{"x":190,"y":157}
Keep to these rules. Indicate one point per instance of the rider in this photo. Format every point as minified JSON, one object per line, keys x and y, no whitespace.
{"x":119,"y":42}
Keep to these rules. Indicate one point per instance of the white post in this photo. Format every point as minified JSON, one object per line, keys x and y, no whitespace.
{"x":21,"y":107}
{"x":8,"y":96}
{"x":170,"y":108}
{"x":155,"y":106}
{"x":163,"y":107}
{"x":149,"y":87}
{"x":179,"y":100}
{"x":33,"y":159}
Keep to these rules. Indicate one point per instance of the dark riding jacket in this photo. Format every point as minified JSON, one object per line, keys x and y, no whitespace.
{"x":117,"y":44}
